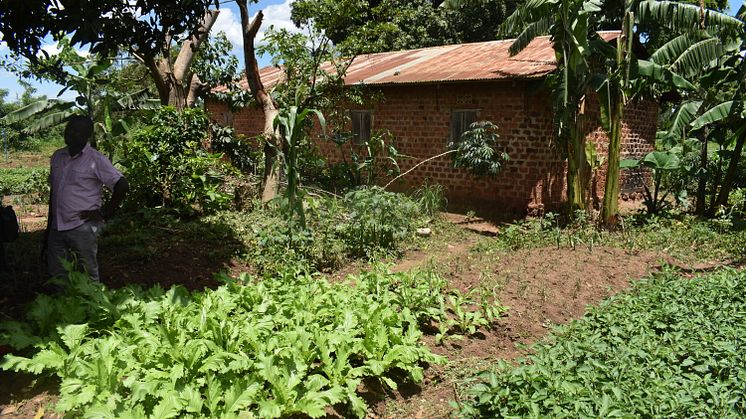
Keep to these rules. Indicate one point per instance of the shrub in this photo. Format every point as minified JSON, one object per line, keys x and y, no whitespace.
{"x":378,"y":220}
{"x":167,"y":165}
{"x":479,"y":151}
{"x":431,"y":198}
{"x":33,"y":182}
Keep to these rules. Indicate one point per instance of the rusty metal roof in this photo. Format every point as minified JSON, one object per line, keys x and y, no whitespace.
{"x":479,"y":61}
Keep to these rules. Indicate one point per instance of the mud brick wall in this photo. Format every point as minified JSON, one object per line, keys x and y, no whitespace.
{"x":419,"y":117}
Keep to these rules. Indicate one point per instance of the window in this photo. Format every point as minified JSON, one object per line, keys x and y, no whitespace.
{"x":460,"y":121}
{"x":361,"y":122}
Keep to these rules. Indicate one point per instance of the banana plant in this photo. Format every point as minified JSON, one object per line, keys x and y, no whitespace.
{"x":571,"y":24}
{"x":85,"y":75}
{"x":708,"y":49}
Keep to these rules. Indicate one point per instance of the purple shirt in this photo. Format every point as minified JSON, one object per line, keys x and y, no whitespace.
{"x":76,"y":185}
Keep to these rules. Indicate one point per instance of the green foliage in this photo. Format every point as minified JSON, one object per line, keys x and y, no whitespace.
{"x":686,"y":238}
{"x":375,"y":26}
{"x":291,"y":123}
{"x":237,"y":148}
{"x":216,"y":66}
{"x":478,"y":150}
{"x":378,"y":220}
{"x":167,"y":165}
{"x":365,"y":224}
{"x":363,"y":163}
{"x":662,"y":164}
{"x":431,"y":198}
{"x":389,"y":25}
{"x":670,"y":348}
{"x":25,"y":182}
{"x":291,"y":344}
{"x":110,"y":24}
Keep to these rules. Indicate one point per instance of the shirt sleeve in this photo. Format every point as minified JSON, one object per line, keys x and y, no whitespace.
{"x":106,"y":172}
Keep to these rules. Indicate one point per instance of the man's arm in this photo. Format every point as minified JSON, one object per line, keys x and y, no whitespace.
{"x":117,"y":196}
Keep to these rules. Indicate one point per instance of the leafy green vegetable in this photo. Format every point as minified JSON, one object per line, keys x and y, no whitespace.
{"x":671,"y":348}
{"x":283,"y":345}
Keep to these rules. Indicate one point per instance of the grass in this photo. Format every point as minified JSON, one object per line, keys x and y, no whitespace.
{"x":31,"y":159}
{"x":671,"y":347}
{"x":688,"y":239}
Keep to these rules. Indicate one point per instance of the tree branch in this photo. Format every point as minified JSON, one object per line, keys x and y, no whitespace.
{"x":192,"y":45}
{"x":418,"y":165}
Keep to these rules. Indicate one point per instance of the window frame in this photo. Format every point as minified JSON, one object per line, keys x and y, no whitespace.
{"x":357,"y":118}
{"x":460,"y":114}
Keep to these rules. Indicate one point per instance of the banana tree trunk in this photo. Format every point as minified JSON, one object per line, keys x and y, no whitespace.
{"x":610,"y":208}
{"x":575,"y":166}
{"x":702,"y":181}
{"x":730,"y":174}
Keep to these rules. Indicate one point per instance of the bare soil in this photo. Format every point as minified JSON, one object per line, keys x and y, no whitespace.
{"x":542,"y":288}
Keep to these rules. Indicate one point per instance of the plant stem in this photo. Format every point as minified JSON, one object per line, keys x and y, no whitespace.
{"x":417,"y":165}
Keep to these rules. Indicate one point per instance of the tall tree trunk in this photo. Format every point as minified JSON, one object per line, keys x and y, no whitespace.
{"x":715,"y":183}
{"x":272,"y":165}
{"x":730,"y":174}
{"x":610,"y":207}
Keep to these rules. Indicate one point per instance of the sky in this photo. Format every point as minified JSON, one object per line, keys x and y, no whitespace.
{"x":276,"y":13}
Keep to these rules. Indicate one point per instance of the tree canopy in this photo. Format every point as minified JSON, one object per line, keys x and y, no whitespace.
{"x":105,"y":25}
{"x":364,"y":26}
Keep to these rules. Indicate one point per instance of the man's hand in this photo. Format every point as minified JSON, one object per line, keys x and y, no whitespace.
{"x":94,"y":215}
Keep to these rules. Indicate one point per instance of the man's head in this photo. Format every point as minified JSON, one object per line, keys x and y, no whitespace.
{"x":77,"y":133}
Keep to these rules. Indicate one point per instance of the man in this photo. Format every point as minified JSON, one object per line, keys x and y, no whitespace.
{"x":76,"y":215}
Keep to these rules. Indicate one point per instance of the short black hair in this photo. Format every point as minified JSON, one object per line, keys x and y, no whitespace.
{"x":81,"y":126}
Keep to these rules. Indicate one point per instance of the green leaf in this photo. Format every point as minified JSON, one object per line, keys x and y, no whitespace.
{"x":72,"y":335}
{"x":269,"y":409}
{"x":628,"y":163}
{"x":718,"y":113}
{"x":240,"y":396}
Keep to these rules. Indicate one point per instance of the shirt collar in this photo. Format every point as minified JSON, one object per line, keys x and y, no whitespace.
{"x":85,"y":149}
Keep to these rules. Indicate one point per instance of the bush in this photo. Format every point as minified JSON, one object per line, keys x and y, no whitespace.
{"x":33,"y":182}
{"x":378,"y":220}
{"x":431,"y":198}
{"x":167,"y":165}
{"x":366,"y":223}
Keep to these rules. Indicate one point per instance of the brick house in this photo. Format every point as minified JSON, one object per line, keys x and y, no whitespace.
{"x":432,"y":94}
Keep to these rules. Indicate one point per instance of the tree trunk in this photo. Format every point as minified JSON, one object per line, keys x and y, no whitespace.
{"x":730,"y":174}
{"x":173,"y":80}
{"x":610,"y":207}
{"x":575,"y":165}
{"x":272,"y":140}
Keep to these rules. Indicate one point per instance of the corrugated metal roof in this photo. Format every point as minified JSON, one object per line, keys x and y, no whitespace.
{"x":449,"y":63}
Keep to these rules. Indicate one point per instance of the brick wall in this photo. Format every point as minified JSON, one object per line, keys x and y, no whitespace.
{"x":419,"y":117}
